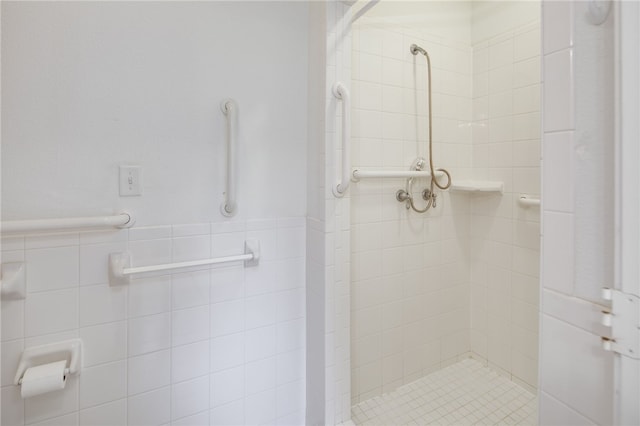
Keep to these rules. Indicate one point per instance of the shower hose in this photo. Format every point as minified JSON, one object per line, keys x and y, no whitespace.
{"x":429,"y":194}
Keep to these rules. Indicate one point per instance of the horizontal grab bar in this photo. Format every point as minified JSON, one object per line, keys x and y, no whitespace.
{"x":121,"y":220}
{"x":178,"y":265}
{"x":526,"y":201}
{"x":120,"y":268}
{"x":363,"y":174}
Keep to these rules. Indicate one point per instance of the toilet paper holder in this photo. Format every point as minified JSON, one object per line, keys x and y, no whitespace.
{"x":69,"y":350}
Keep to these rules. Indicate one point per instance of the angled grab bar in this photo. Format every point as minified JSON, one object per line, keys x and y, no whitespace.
{"x":228,"y":206}
{"x":341,"y":92}
{"x":120,"y":268}
{"x":121,"y":220}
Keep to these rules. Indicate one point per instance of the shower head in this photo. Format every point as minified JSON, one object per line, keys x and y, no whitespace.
{"x":415,"y":49}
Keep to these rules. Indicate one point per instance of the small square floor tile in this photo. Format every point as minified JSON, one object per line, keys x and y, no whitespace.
{"x":465,"y":393}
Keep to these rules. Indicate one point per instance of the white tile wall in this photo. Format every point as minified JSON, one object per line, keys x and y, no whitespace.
{"x":485,"y":250}
{"x":558,"y":87}
{"x":576,"y":375}
{"x":575,"y":371}
{"x":165,"y":348}
{"x":400,"y":285}
{"x":558,"y":25}
{"x":505,"y":238}
{"x":328,"y":273}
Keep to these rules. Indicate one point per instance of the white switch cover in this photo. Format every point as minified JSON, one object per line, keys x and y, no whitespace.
{"x":130,"y":177}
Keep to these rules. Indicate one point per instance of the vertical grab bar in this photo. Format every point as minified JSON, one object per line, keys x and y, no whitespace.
{"x":341,"y":92}
{"x":228,"y":206}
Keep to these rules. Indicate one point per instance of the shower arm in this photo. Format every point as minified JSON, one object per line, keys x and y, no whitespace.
{"x":415,"y":49}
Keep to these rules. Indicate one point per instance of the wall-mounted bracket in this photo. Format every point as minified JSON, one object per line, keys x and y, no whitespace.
{"x":252,"y":247}
{"x":13,"y":283}
{"x":117,"y":263}
{"x":624,"y":320}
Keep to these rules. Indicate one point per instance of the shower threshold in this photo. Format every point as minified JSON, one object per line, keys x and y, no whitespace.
{"x":465,"y":393}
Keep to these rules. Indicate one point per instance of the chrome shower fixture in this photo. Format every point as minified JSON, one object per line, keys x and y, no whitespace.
{"x":429,"y":194}
{"x":415,"y":49}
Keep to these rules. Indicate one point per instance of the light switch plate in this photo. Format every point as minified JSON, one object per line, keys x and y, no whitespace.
{"x":130,"y":181}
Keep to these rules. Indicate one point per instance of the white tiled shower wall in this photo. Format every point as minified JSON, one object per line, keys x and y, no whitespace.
{"x":505,"y":247}
{"x":218,"y":346}
{"x":410,"y":271}
{"x":413,"y":307}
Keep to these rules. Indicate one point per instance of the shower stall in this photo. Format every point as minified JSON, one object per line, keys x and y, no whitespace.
{"x":451,"y":272}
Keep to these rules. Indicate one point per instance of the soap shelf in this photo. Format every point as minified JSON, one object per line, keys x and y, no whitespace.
{"x":478,"y":186}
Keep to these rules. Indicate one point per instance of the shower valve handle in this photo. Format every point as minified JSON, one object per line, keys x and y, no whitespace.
{"x":428,"y":194}
{"x":403,"y":196}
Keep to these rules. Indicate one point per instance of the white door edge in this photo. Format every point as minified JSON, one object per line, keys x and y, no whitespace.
{"x":627,"y":194}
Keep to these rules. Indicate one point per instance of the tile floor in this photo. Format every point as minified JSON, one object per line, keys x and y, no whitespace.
{"x":465,"y":393}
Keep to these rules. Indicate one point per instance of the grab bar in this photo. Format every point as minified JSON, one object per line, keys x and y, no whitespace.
{"x":341,"y":92}
{"x":121,"y":220}
{"x":228,"y":206}
{"x":526,"y":201}
{"x":120,"y":268}
{"x":363,"y":174}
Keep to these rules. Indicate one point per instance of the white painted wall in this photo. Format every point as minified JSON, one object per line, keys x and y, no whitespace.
{"x":315,"y":250}
{"x":89,"y":86}
{"x":491,"y":18}
{"x":141,"y":84}
{"x":627,"y":279}
{"x":0,"y":187}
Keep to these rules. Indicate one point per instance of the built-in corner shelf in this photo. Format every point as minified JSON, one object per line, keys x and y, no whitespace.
{"x":478,"y":186}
